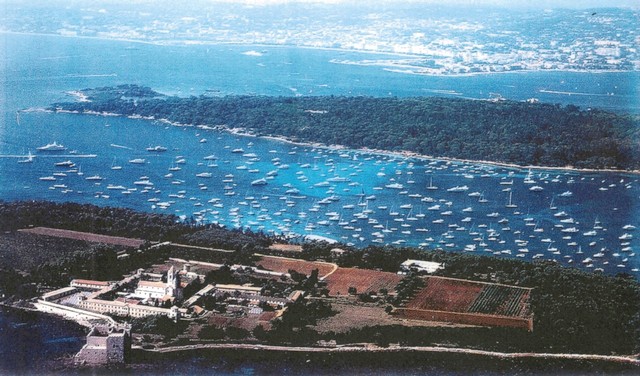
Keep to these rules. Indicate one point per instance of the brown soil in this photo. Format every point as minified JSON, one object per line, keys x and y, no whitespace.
{"x":363,"y":280}
{"x":283,"y":265}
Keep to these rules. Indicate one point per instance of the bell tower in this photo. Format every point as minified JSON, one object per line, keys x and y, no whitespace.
{"x":173,"y":284}
{"x":172,"y":281}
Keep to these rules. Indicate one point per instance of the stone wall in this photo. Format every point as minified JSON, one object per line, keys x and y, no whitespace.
{"x":465,"y":318}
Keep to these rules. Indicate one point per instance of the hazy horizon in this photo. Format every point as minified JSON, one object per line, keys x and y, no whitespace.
{"x":540,"y":4}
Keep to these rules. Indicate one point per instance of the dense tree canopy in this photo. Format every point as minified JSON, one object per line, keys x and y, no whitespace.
{"x":499,"y":131}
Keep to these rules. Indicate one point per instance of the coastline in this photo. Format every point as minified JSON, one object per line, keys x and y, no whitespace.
{"x":410,"y":154}
{"x":399,"y":154}
{"x":387,"y":67}
{"x":80,"y":320}
{"x":374,"y":349}
{"x":392,"y":66}
{"x":260,"y":355}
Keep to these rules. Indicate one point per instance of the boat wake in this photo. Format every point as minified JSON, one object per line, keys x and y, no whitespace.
{"x":71,"y":75}
{"x":573,"y":93}
{"x":120,"y":146}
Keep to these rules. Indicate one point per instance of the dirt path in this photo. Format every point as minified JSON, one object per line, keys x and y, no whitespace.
{"x":198,"y":247}
{"x":333,"y":265}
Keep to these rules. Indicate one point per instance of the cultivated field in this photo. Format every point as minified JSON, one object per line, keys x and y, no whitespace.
{"x":443,"y":294}
{"x":248,"y":322}
{"x":286,"y":247}
{"x":85,"y":236}
{"x":363,"y":280}
{"x":454,"y":295}
{"x":223,"y":321}
{"x":283,"y":265}
{"x":467,"y":302}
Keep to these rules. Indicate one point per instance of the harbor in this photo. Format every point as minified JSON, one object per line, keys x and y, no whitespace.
{"x":579,"y":219}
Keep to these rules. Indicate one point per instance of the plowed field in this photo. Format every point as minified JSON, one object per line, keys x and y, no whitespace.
{"x":283,"y":265}
{"x":454,"y":295}
{"x":363,"y":280}
{"x":441,"y":294}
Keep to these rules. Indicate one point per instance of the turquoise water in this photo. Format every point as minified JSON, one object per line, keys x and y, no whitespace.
{"x":37,"y":70}
{"x":577,"y":219}
{"x":348,"y":196}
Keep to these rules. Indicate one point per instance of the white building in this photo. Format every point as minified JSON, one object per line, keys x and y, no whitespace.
{"x":105,"y":345}
{"x":160,"y":290}
{"x":125,"y":309}
{"x":90,"y":284}
{"x":420,"y":266}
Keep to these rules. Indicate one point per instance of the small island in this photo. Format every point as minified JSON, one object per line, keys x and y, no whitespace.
{"x":179,"y":287}
{"x":500,"y":131}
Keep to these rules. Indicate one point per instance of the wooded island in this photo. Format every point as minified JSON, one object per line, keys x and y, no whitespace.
{"x":522,"y":133}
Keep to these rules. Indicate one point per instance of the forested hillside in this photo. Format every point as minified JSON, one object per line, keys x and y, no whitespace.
{"x":502,"y":131}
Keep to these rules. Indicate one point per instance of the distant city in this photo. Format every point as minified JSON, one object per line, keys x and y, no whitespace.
{"x":431,"y":40}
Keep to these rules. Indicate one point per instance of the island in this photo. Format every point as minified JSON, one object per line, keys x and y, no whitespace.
{"x":521,"y":133}
{"x":174,"y":287}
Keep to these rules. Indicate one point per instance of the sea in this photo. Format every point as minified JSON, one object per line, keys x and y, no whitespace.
{"x":585,"y":220}
{"x":31,"y":342}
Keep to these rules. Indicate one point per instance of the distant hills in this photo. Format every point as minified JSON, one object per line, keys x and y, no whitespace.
{"x":499,"y":131}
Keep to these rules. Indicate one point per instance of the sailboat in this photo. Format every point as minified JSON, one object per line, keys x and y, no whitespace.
{"x":29,"y":158}
{"x":386,"y":228}
{"x":431,"y":187}
{"x":510,"y":204}
{"x":114,"y":166}
{"x":174,"y":168}
{"x":54,"y":146}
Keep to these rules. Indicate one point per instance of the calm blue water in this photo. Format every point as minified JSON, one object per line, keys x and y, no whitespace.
{"x":37,"y":70}
{"x":343,"y":195}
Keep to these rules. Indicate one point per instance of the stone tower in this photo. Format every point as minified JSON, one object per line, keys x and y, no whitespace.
{"x":173,"y":284}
